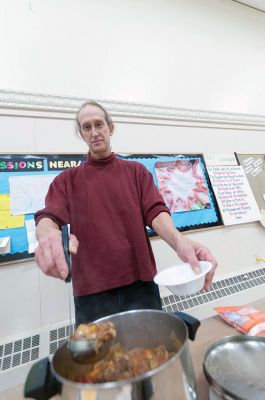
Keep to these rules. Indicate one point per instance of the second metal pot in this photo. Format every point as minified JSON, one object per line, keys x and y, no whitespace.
{"x":235,"y":368}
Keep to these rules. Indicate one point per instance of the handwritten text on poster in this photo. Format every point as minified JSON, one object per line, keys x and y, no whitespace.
{"x":234,"y":196}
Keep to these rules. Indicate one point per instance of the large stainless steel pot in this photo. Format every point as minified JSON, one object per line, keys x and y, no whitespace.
{"x":140,"y":328}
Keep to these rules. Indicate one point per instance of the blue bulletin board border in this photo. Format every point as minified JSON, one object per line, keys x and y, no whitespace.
{"x":36,"y":164}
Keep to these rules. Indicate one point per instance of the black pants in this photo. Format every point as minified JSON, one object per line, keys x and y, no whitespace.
{"x":138,"y":295}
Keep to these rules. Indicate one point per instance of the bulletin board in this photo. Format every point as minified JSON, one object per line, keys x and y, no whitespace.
{"x":24,"y":179}
{"x":183,"y":182}
{"x":254,"y":167}
{"x":181,"y":179}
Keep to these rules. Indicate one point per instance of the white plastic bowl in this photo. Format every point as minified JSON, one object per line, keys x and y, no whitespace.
{"x":182,"y":280}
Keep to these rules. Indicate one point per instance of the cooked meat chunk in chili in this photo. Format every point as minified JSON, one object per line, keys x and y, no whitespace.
{"x":119,"y":365}
{"x":100,"y":332}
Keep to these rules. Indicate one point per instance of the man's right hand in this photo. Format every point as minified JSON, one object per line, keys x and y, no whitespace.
{"x":49,"y":254}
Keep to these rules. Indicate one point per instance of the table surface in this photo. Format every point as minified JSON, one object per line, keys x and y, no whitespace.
{"x":211,"y":330}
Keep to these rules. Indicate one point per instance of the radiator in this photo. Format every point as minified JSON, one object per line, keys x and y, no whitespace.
{"x":19,"y":353}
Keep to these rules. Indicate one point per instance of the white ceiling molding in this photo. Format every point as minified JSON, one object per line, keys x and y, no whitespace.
{"x":68,"y":106}
{"x":257,"y":4}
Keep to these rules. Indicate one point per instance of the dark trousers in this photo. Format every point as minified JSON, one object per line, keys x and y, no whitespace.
{"x":138,"y":295}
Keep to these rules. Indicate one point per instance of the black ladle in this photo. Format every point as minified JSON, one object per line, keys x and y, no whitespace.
{"x":82,"y":350}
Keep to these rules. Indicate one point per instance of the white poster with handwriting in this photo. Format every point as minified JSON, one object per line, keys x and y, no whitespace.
{"x":27,"y":193}
{"x":233,"y":193}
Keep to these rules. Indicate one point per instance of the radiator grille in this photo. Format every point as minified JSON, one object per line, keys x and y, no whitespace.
{"x":219,"y":289}
{"x":59,"y":336}
{"x":22,"y":351}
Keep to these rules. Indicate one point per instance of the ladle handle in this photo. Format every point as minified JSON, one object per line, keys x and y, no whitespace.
{"x":65,"y":240}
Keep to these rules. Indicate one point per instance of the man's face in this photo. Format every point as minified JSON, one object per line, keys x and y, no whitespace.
{"x":95,"y":131}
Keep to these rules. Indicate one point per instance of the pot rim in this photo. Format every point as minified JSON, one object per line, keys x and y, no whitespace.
{"x":123,"y":382}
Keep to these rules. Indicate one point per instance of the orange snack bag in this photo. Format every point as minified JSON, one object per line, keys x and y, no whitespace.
{"x":244,"y":318}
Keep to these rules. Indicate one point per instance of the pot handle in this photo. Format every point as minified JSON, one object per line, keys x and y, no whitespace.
{"x":191,"y":323}
{"x":40,"y":383}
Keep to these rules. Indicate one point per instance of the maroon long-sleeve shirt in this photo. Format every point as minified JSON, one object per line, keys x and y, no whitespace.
{"x":108,"y":204}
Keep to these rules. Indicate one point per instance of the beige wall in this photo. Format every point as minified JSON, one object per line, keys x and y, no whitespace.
{"x":207,"y":54}
{"x":204,"y":55}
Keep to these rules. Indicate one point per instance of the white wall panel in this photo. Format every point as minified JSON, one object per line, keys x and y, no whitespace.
{"x":165,"y":138}
{"x":57,"y":136}
{"x":17,"y":134}
{"x":54,"y":300}
{"x":20,"y":299}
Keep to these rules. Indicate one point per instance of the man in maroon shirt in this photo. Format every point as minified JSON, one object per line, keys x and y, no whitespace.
{"x":108,"y":203}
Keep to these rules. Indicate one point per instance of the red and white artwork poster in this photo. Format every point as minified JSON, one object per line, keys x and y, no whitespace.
{"x":182,"y":185}
{"x":234,"y":195}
